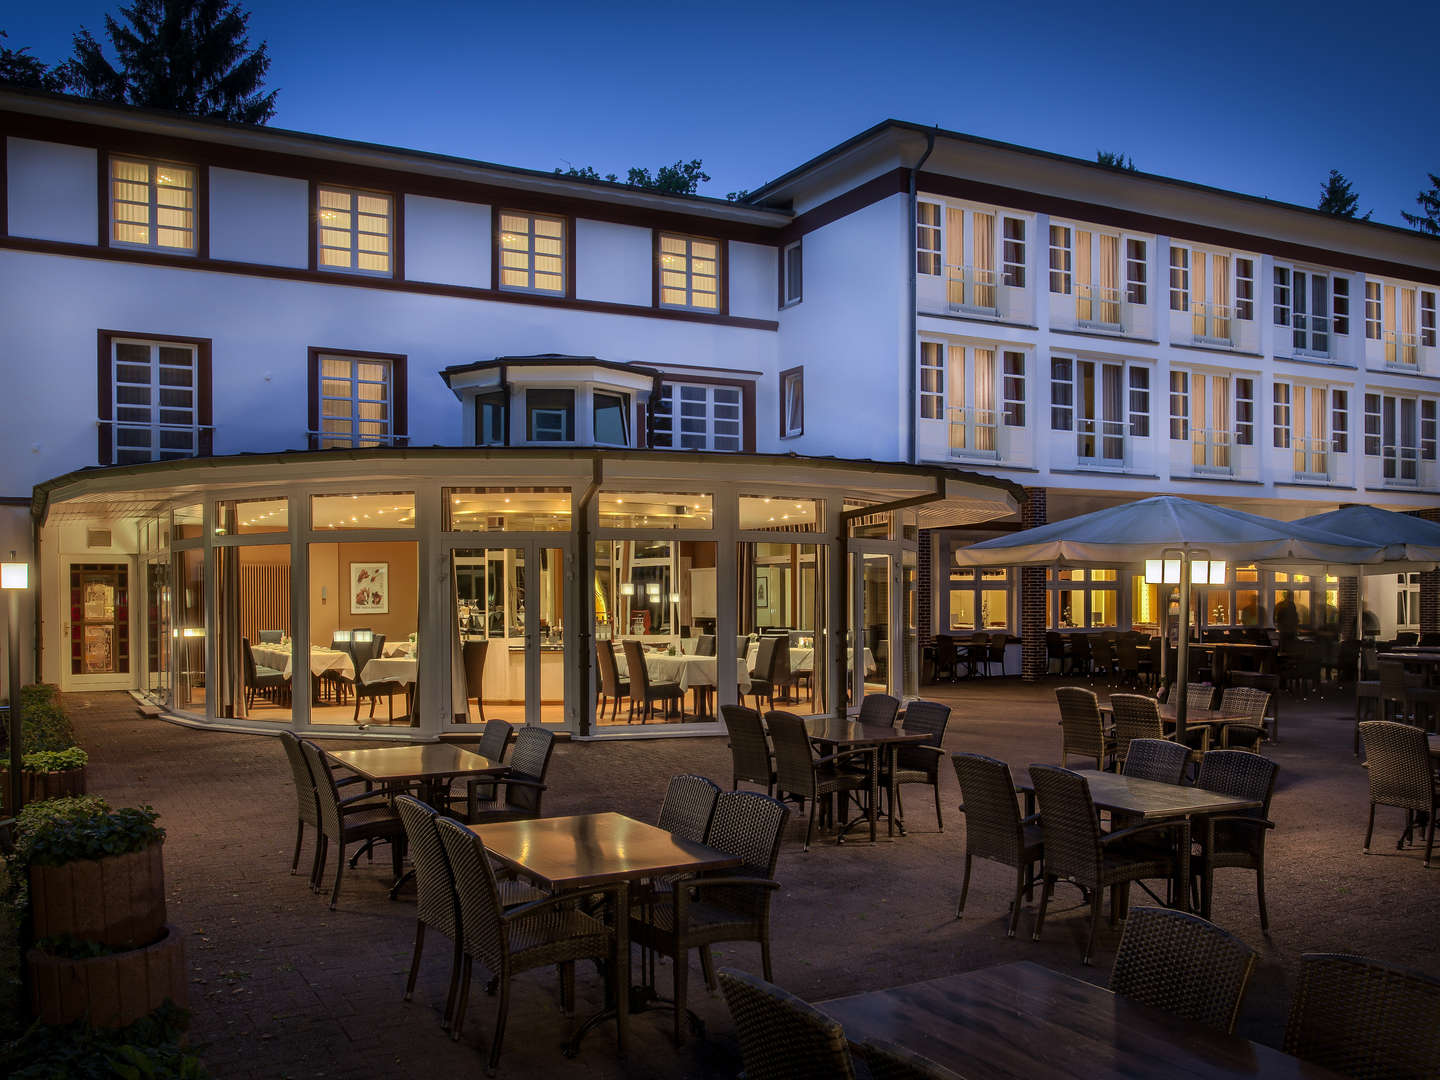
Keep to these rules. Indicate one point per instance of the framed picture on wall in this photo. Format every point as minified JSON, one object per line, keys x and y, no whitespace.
{"x":762,"y":592}
{"x":369,"y":588}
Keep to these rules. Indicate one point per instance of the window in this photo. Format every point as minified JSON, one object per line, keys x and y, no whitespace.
{"x":1427,"y":319}
{"x":1340,"y":305}
{"x":794,"y":263}
{"x":491,"y":418}
{"x":1135,"y":276}
{"x":792,"y":403}
{"x":610,"y":418}
{"x":689,"y":272}
{"x":1401,"y":431}
{"x":979,"y":598}
{"x":1282,"y":296}
{"x":1281,"y":418}
{"x":1305,"y":416}
{"x":927,"y":238}
{"x":1200,"y":411}
{"x":1407,"y":601}
{"x":1372,"y":425}
{"x":152,"y":205}
{"x":1303,"y":303}
{"x":1097,"y":280}
{"x":972,"y":408}
{"x":690,"y":416}
{"x":550,"y":415}
{"x":1014,"y":389}
{"x":155,"y":402}
{"x":353,"y":229}
{"x":1013,"y":253}
{"x":932,"y":380}
{"x":1427,"y":429}
{"x":355,"y":400}
{"x":1083,"y":598}
{"x":532,"y":253}
{"x":1060,"y":272}
{"x":1340,"y":421}
{"x":1062,"y":393}
{"x":1400,"y":331}
{"x":1179,"y":279}
{"x":1201,"y":283}
{"x":1245,"y":289}
{"x":1140,"y":402}
{"x":1100,"y":412}
{"x":1245,"y":412}
{"x":1372,"y":310}
{"x":974,"y":244}
{"x":1180,"y":405}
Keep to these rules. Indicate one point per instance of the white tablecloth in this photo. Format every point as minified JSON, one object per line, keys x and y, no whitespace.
{"x":398,"y":669}
{"x":321,"y":659}
{"x":686,"y":670}
{"x":804,"y":659}
{"x":400,"y":648}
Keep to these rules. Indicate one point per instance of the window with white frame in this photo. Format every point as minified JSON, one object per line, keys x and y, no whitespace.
{"x":532,"y":252}
{"x":1139,"y":401}
{"x":1136,"y":273}
{"x":980,"y":598}
{"x":689,"y":272}
{"x":1013,"y":254}
{"x":1062,"y":393}
{"x":354,"y":230}
{"x":1179,"y":405}
{"x":1207,"y":285}
{"x":1013,"y":403}
{"x":1061,"y":271}
{"x":549,"y":415}
{"x":928,"y":257}
{"x":1083,"y":598}
{"x":1244,"y":289}
{"x":355,"y":402}
{"x":690,"y":416}
{"x":793,"y":261}
{"x":491,"y":418}
{"x":1373,"y":311}
{"x":1401,"y":431}
{"x":792,"y":403}
{"x":1313,"y":422}
{"x":932,"y":380}
{"x":153,"y":400}
{"x":1427,"y":318}
{"x":1201,"y":411}
{"x":1407,"y":601}
{"x":1245,"y":411}
{"x":1400,"y":329}
{"x":610,"y":418}
{"x":152,"y":205}
{"x":1303,"y":303}
{"x":1091,"y":397}
{"x":982,"y":250}
{"x":1096,"y":278}
{"x":1340,"y":304}
{"x":985,"y":390}
{"x":1179,"y":278}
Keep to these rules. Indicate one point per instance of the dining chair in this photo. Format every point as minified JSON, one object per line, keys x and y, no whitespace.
{"x":879,"y":709}
{"x":1076,"y":850}
{"x":520,"y":790}
{"x":537,"y":934}
{"x":1054,"y":652}
{"x":1082,"y":731}
{"x":780,"y":1036}
{"x":995,"y":653}
{"x":1102,"y":657}
{"x":494,"y":741}
{"x":1401,"y":775}
{"x":919,"y":763}
{"x":1364,"y":1018}
{"x":643,"y":692}
{"x":801,"y":775}
{"x":1253,"y":703}
{"x":947,"y":657}
{"x":436,"y":905}
{"x":1127,"y":661}
{"x":271,"y":637}
{"x":705,"y":645}
{"x":1136,"y":717}
{"x":473,"y":655}
{"x":344,"y":823}
{"x":1079,"y":653}
{"x":1236,"y":839}
{"x":612,"y":686}
{"x":760,"y":672}
{"x":686,"y":812}
{"x":889,"y":1061}
{"x":1160,"y":760}
{"x":994,"y":829}
{"x":749,"y":749}
{"x":1183,"y":965}
{"x":1404,"y":699}
{"x":307,"y":806}
{"x":260,"y":679}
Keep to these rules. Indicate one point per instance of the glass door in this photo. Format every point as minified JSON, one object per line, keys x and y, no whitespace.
{"x":99,"y":625}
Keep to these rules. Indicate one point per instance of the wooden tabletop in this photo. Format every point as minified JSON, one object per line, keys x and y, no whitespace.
{"x":1027,"y":1022}
{"x":388,"y":764}
{"x":1151,"y":799}
{"x":595,"y":849}
{"x":1419,"y":656}
{"x":829,"y":729}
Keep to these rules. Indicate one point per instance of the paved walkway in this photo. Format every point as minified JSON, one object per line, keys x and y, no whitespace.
{"x":284,"y":987}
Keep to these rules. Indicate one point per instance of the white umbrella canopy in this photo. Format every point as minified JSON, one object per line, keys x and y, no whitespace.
{"x":1409,"y":543}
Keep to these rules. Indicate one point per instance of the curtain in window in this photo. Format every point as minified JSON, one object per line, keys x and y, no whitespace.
{"x":1199,"y":313}
{"x":982,"y":227}
{"x":955,"y":255}
{"x":957,"y":397}
{"x":1084,"y":278}
{"x":1112,"y":431}
{"x":983,"y":361}
{"x":1220,"y":296}
{"x":1407,"y":337}
{"x":1110,"y":279}
{"x":745,"y":579}
{"x":459,"y":701}
{"x":229,"y":665}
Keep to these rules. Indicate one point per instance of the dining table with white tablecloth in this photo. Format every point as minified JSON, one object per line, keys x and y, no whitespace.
{"x":686,"y":670}
{"x":321,"y":659}
{"x":803,"y":659}
{"x":396,"y":669}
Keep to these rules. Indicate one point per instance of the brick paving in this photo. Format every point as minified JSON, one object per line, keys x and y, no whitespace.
{"x":282,"y":987}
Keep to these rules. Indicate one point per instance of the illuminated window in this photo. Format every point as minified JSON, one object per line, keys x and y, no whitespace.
{"x":689,"y":272}
{"x":354,"y":230}
{"x":355,"y":401}
{"x":532,"y":252}
{"x":152,"y":205}
{"x":979,"y":599}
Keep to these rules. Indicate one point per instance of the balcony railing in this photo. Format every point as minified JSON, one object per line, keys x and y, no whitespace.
{"x":1213,"y":324}
{"x":1310,"y":334}
{"x":974,"y":433}
{"x":1402,"y":350}
{"x":1100,"y":443}
{"x":972,"y":290}
{"x":1098,"y":307}
{"x":1212,"y":451}
{"x":1400,"y":466}
{"x":1312,"y":458}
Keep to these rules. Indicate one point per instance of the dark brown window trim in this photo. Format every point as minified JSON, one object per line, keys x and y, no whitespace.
{"x":723,"y":275}
{"x":747,"y":406}
{"x":569,"y":256}
{"x":202,"y":206}
{"x":399,"y":392}
{"x":799,"y":373}
{"x":894,"y":182}
{"x":204,"y":389}
{"x":218,"y":155}
{"x":362,"y":281}
{"x":781,"y":300}
{"x":397,"y":232}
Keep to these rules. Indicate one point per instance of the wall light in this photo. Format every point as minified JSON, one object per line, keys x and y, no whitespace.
{"x":674,"y":597}
{"x":627,"y":588}
{"x":14,"y":575}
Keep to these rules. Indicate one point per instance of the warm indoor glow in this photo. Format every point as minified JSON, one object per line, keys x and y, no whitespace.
{"x":14,"y":575}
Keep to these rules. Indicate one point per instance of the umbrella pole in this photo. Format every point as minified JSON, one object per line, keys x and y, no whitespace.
{"x":1182,"y":652}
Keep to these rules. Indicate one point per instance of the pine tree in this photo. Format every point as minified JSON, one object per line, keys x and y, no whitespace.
{"x":1112,"y":160}
{"x":19,"y":68}
{"x":188,"y":56}
{"x":1428,"y":220}
{"x":1337,"y":197}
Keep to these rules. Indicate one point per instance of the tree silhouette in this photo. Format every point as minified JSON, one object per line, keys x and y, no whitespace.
{"x":19,"y":68}
{"x":1338,"y":197}
{"x":681,"y":178}
{"x":1112,"y":160}
{"x":188,"y":56}
{"x":1428,"y":220}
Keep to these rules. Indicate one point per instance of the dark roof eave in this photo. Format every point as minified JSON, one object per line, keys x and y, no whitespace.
{"x":542,"y":359}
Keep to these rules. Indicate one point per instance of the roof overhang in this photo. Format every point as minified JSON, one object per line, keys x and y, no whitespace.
{"x":546,"y":369}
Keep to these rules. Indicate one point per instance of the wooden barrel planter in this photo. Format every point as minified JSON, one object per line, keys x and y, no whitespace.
{"x":111,"y":991}
{"x":118,"y":901}
{"x":39,"y":786}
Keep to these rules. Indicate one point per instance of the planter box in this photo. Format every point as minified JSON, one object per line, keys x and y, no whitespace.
{"x":39,"y":786}
{"x":118,"y":900}
{"x":111,"y":991}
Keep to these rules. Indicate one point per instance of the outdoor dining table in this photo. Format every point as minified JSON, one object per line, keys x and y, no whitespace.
{"x":838,"y":733}
{"x":579,"y":852}
{"x":1426,"y":662}
{"x":1211,"y":718}
{"x":1022,"y":1020}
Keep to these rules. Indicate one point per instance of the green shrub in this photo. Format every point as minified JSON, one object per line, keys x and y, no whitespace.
{"x":46,"y":726}
{"x":72,"y":757}
{"x":93,"y":834}
{"x":149,"y":1049}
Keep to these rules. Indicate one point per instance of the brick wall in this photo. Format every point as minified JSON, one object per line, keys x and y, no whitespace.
{"x":1033,"y":661}
{"x":1429,"y":588}
{"x":924,"y":586}
{"x":1349,"y":602}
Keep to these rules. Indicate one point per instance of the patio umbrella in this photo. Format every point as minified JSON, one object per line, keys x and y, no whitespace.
{"x":1179,"y":530}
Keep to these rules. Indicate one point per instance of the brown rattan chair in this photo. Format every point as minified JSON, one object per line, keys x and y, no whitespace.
{"x":643,"y":692}
{"x":802,"y":775}
{"x":1156,"y":759}
{"x":1363,"y":1018}
{"x":473,"y":655}
{"x":919,"y":763}
{"x":1401,"y":775}
{"x":888,"y":1061}
{"x":733,"y":905}
{"x":994,"y":829}
{"x":344,"y":822}
{"x":1235,"y":840}
{"x":519,"y":791}
{"x":1102,"y":657}
{"x":782,"y":1037}
{"x":612,"y":686}
{"x":494,"y":741}
{"x":307,"y":807}
{"x":1254,"y":703}
{"x":537,"y":934}
{"x":1184,"y":965}
{"x":1076,"y":850}
{"x":879,"y":709}
{"x":1136,"y":717}
{"x":1403,"y":699}
{"x":688,"y":807}
{"x":749,"y":749}
{"x":435,"y":901}
{"x":1082,"y":732}
{"x":947,"y":657}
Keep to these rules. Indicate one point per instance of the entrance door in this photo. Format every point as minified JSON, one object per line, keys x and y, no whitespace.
{"x":1099,"y":413}
{"x":98,"y":627}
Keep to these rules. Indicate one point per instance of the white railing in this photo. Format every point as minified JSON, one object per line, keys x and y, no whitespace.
{"x":1400,"y":466}
{"x":1099,"y":308}
{"x":1212,"y":324}
{"x":1312,"y":458}
{"x":972,"y":290}
{"x":974,"y":433}
{"x":1100,"y":442}
{"x":351,"y":440}
{"x":1212,"y":451}
{"x":1402,"y":350}
{"x":1310,"y":334}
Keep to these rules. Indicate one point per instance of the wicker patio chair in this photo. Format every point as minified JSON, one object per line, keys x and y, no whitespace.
{"x":919,"y":763}
{"x":1254,"y":703}
{"x":994,"y":829}
{"x":520,"y":791}
{"x":1363,"y":1018}
{"x":888,"y":1061}
{"x":307,"y":806}
{"x":435,"y":900}
{"x":1102,"y":657}
{"x":1136,"y":717}
{"x":802,"y":775}
{"x":643,"y":692}
{"x":1082,"y":732}
{"x":1401,"y":775}
{"x":537,"y":934}
{"x":1054,"y":652}
{"x":749,"y":749}
{"x":995,"y":654}
{"x":782,"y":1037}
{"x":947,"y":657}
{"x":688,"y":807}
{"x":612,"y":687}
{"x":732,"y":905}
{"x":473,"y":655}
{"x":1076,"y":850}
{"x":1236,"y":840}
{"x":1156,"y":759}
{"x":494,"y":741}
{"x":348,"y":821}
{"x":879,"y":709}
{"x":1079,"y":653}
{"x":1402,"y":699}
{"x":1184,"y":965}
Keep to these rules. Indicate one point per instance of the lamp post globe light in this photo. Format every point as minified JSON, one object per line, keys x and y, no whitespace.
{"x":14,"y":580}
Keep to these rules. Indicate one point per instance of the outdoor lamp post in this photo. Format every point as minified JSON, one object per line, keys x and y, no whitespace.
{"x":14,"y":579}
{"x":1183,"y":567}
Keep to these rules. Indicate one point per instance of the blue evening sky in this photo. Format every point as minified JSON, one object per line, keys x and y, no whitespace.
{"x":1263,"y":98}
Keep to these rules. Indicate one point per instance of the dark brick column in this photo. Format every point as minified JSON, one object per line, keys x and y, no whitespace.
{"x":1349,"y":605}
{"x":1033,"y":661}
{"x":924,"y":585}
{"x":1429,"y":588}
